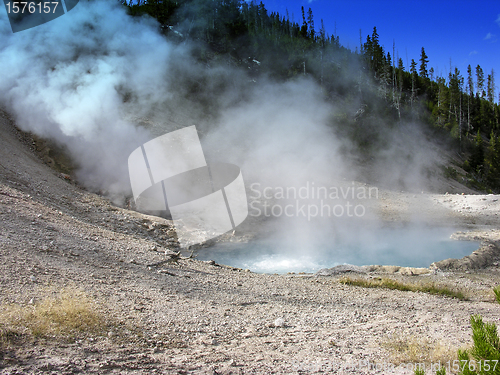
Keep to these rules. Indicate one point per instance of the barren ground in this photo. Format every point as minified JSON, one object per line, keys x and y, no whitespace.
{"x":203,"y":318}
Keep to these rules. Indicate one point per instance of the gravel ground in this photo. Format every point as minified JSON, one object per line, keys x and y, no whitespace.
{"x":189,"y":316}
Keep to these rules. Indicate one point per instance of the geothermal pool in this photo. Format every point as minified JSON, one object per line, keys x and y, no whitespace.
{"x":402,"y":247}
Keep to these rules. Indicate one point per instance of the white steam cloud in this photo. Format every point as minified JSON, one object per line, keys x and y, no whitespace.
{"x":89,"y":77}
{"x":67,"y":80}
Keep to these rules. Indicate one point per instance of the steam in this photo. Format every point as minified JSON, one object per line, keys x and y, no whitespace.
{"x":68,"y":80}
{"x":279,"y":135}
{"x":101,"y":83}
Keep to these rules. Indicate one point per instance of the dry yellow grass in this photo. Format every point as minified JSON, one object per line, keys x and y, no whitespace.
{"x":70,"y":312}
{"x":418,"y":350}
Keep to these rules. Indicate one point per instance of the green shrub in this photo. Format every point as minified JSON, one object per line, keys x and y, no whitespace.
{"x":496,"y":290}
{"x":450,"y":172}
{"x":484,"y":355}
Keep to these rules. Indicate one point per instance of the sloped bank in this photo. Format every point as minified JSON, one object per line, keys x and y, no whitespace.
{"x":487,"y":255}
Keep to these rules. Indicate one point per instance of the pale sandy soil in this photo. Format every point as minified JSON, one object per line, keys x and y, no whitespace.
{"x":203,"y":318}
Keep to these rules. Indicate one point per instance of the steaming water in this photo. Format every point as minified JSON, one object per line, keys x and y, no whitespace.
{"x":401,"y":247}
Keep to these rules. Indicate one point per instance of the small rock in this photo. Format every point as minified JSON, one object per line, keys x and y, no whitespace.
{"x":32,"y":278}
{"x":341,"y":269}
{"x":280,"y":322}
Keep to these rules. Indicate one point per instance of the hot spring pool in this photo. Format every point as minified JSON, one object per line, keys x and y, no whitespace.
{"x":401,"y":247}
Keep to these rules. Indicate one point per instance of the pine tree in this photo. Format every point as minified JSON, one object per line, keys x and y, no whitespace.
{"x":413,"y":71}
{"x":401,"y":70}
{"x":470,"y":81}
{"x":377,"y":53}
{"x":368,"y":50}
{"x":322,"y":35}
{"x":424,"y":59}
{"x":263,"y":17}
{"x":322,"y":41}
{"x":413,"y":67}
{"x":303,"y":29}
{"x":477,"y":157}
{"x":493,"y":161}
{"x":440,"y":111}
{"x":401,"y":66}
{"x":310,"y":23}
{"x":491,"y":87}
{"x":470,"y":90}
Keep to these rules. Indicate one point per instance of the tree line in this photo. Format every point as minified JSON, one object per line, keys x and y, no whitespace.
{"x":461,"y":106}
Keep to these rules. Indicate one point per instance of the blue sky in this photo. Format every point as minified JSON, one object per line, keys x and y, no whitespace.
{"x":467,"y":31}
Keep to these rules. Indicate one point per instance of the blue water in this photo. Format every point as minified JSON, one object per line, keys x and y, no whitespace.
{"x":401,"y":247}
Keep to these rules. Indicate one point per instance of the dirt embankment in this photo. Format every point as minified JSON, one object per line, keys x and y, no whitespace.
{"x":188,"y":316}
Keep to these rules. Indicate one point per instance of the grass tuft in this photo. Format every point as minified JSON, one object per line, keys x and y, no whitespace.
{"x":430,"y":288}
{"x":69,"y":313}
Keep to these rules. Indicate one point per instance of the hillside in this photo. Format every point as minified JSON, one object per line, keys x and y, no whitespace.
{"x":374,"y":94}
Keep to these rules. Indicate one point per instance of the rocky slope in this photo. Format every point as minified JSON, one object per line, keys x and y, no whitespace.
{"x":169,"y":315}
